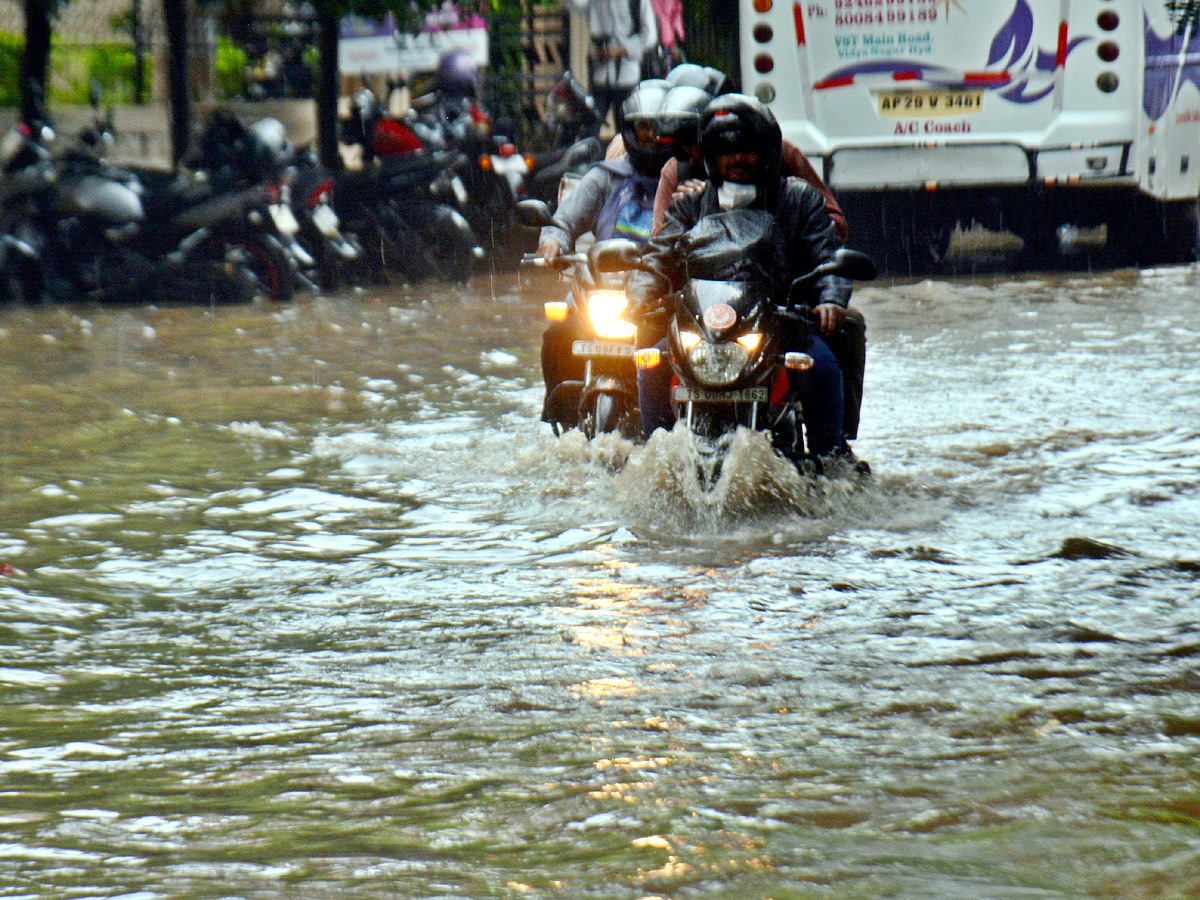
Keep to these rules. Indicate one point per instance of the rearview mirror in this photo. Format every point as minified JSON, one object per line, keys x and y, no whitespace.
{"x":534,"y":213}
{"x":854,"y":264}
{"x":615,"y":255}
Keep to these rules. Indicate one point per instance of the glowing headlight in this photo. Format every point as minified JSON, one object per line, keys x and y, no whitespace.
{"x":688,"y":339}
{"x":750,"y":341}
{"x":718,"y":364}
{"x":604,"y":309}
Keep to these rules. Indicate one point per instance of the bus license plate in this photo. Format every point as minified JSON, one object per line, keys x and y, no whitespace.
{"x":699,"y":395}
{"x":907,"y":104}
{"x":601,"y":348}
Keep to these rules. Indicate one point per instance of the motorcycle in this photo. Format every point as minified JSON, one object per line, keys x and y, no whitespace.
{"x":310,"y":190}
{"x":606,"y":399}
{"x":570,"y":114}
{"x":96,"y":236}
{"x":726,"y":347}
{"x":493,"y":173}
{"x":27,"y":173}
{"x":231,"y":157}
{"x":406,"y":203}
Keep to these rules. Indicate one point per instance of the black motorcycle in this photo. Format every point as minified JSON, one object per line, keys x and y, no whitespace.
{"x":726,"y":348}
{"x":98,"y":234}
{"x":407,"y":203}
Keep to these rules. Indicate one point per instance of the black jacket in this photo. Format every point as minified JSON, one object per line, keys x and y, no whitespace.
{"x":774,"y":240}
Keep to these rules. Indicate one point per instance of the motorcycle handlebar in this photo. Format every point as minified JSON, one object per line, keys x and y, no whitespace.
{"x":562,"y":261}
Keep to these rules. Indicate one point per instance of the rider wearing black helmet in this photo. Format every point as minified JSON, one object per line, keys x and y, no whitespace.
{"x":687,"y":173}
{"x":750,"y":223}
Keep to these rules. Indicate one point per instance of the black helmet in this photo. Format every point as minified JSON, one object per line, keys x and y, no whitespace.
{"x":679,"y":118}
{"x":704,"y":77}
{"x":639,"y":112}
{"x":736,"y":122}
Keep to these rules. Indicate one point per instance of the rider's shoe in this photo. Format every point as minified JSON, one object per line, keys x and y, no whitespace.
{"x":858,"y":466}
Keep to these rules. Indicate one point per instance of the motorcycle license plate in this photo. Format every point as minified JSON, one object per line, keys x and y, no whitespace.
{"x":601,"y":348}
{"x":284,"y":219}
{"x":700,"y":395}
{"x":326,"y":221}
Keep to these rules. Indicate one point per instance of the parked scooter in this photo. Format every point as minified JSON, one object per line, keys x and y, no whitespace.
{"x":605,"y":400}
{"x":726,"y":343}
{"x":311,"y":187}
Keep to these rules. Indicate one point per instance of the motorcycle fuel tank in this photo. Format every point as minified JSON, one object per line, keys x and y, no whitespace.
{"x":102,"y":198}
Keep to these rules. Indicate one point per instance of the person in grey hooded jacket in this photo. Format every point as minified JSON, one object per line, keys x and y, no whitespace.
{"x":619,"y":40}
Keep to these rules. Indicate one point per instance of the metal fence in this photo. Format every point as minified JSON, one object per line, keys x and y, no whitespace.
{"x":113,"y":43}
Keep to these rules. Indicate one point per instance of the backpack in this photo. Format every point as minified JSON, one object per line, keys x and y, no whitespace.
{"x":629,"y":210}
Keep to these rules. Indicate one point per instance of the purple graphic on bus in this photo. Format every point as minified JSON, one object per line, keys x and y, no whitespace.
{"x":1025,"y":72}
{"x":1171,"y":62}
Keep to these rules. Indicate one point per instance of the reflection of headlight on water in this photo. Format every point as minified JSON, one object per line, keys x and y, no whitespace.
{"x":718,"y":364}
{"x":604,"y":309}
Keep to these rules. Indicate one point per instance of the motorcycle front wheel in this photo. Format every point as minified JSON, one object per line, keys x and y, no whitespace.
{"x":603,"y":417}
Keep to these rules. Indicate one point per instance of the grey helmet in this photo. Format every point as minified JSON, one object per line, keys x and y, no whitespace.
{"x":679,"y":118}
{"x":704,"y":77}
{"x":647,"y":156}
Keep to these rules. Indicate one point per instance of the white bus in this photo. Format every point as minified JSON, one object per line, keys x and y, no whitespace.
{"x":1019,"y":115}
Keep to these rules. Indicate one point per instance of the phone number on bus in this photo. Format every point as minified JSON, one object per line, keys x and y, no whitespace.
{"x":891,"y":17}
{"x":878,"y":4}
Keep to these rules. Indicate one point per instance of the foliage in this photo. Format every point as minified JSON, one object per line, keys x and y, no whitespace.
{"x":230,"y":69}
{"x":11,"y":47}
{"x":72,"y":70}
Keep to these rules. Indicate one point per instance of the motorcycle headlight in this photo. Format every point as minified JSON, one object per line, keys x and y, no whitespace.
{"x":718,"y":364}
{"x":688,"y":339}
{"x":750,"y":341}
{"x":604,"y":310}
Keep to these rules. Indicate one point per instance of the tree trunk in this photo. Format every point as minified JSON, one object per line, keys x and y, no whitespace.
{"x":175,"y":16}
{"x":328,"y":87}
{"x":35,"y":60}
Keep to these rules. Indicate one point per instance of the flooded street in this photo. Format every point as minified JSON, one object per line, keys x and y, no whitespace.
{"x":304,"y":602}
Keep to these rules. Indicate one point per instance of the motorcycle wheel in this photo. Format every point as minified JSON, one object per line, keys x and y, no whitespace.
{"x":266,"y":260}
{"x":603,"y":417}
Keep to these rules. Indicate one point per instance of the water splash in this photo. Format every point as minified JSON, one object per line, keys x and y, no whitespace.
{"x":661,"y":486}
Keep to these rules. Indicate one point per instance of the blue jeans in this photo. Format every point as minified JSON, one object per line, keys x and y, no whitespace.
{"x":819,"y":391}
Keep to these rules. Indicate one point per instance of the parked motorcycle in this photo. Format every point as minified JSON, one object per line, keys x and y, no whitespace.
{"x":730,"y":369}
{"x":606,"y":399}
{"x":95,"y":236}
{"x":310,"y":187}
{"x":405,"y":203}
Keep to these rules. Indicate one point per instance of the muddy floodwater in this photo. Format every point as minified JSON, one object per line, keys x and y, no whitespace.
{"x":304,"y":602}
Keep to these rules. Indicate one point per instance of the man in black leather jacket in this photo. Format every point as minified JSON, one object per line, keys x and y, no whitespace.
{"x":749,"y":224}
